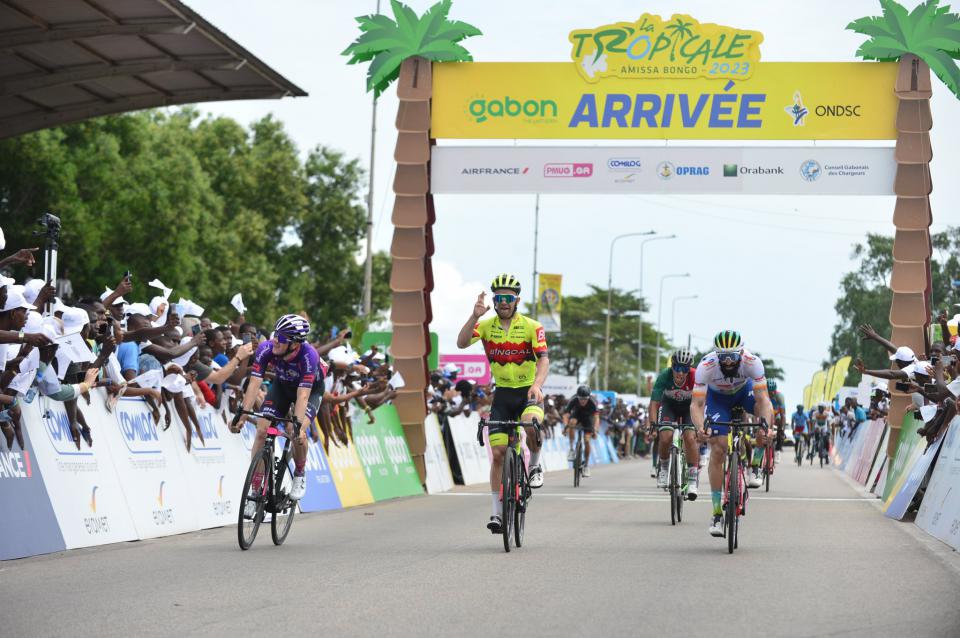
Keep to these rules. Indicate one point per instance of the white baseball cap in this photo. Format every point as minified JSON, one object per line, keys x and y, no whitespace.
{"x":137,"y":309}
{"x":15,"y":299}
{"x":903,"y":353}
{"x":3,"y":240}
{"x":32,"y":289}
{"x":74,"y":319}
{"x":107,"y":292}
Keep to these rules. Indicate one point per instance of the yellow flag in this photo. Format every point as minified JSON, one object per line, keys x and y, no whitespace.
{"x":840,"y":369}
{"x":806,"y":396}
{"x":816,"y":392}
{"x":550,"y":301}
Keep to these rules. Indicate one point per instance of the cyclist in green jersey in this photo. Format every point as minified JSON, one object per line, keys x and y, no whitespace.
{"x":670,"y":407}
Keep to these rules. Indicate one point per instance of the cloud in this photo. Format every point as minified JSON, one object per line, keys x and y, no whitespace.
{"x":452,"y":301}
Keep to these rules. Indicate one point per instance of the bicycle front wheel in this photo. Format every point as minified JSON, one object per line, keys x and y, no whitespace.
{"x":520,"y":516}
{"x":674,"y":487}
{"x":578,"y":463}
{"x":282,"y":518}
{"x":507,"y":490}
{"x":247,"y":528}
{"x":733,"y":500}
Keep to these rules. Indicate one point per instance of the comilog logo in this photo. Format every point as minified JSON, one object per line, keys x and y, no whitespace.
{"x":623,"y":164}
{"x":482,"y":109}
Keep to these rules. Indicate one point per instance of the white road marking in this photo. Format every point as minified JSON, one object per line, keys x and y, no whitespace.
{"x":600,"y":495}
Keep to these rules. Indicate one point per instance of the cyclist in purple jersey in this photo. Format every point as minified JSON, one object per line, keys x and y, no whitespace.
{"x":299,"y":381}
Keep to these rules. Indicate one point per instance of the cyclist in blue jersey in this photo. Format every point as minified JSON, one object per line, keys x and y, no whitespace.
{"x":299,"y":375}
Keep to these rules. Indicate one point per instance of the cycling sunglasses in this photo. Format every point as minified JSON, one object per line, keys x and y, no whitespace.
{"x":681,"y":369}
{"x":504,"y":298}
{"x":728,"y":357}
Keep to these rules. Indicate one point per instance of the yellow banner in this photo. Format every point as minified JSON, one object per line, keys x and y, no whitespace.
{"x":550,"y":100}
{"x":816,"y":392}
{"x":807,"y":402}
{"x":549,"y":301}
{"x":348,"y":474}
{"x":840,"y":369}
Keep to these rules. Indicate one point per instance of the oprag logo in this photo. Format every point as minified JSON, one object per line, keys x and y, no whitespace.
{"x":810,"y":170}
{"x":483,"y":109}
{"x":797,"y":111}
{"x":665,"y":170}
{"x":627,"y":164}
{"x":568,"y":170}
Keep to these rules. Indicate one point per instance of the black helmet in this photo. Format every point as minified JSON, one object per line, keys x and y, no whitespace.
{"x":583,"y":392}
{"x":800,"y":407}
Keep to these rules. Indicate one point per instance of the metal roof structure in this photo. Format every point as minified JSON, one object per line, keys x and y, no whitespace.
{"x":63,"y":61}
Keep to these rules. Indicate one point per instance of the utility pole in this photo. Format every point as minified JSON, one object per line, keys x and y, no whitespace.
{"x":368,"y":264}
{"x":536,"y":237}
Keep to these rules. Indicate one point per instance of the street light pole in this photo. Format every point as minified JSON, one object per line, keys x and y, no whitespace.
{"x":368,"y":263}
{"x":536,"y":240}
{"x":660,"y":309}
{"x":673,"y":314}
{"x":640,"y":316}
{"x":606,"y":339}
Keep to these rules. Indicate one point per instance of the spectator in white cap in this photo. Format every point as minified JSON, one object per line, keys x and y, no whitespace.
{"x":13,"y":316}
{"x":903,"y":357}
{"x":113,"y":299}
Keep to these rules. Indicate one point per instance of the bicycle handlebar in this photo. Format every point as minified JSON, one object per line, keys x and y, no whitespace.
{"x":261,"y":415}
{"x":535,"y":423}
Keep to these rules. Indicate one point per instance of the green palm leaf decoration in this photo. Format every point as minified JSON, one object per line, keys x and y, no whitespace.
{"x":929,"y":32}
{"x":389,"y":42}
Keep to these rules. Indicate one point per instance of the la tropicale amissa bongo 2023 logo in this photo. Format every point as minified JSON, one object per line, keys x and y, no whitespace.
{"x":648,"y":48}
{"x":654,"y":48}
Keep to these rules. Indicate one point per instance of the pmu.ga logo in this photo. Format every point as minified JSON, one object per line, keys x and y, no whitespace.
{"x":162,"y":516}
{"x":654,"y":48}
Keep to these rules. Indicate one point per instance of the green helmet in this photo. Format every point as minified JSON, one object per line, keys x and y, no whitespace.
{"x":771,"y":385}
{"x":728,"y":341}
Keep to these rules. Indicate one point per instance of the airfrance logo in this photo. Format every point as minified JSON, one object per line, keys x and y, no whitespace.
{"x":15,"y":465}
{"x":626,"y":164}
{"x":495,"y":170}
{"x":797,"y":111}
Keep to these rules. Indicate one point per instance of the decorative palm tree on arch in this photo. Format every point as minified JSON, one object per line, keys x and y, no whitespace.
{"x":920,"y":40}
{"x":402,"y":49}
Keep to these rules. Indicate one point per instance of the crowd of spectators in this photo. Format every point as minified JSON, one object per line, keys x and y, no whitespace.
{"x":61,"y":345}
{"x":932,"y":379}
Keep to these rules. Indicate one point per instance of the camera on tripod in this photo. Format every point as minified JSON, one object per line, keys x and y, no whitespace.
{"x":51,"y":234}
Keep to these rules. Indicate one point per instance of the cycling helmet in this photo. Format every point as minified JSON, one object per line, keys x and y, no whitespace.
{"x":583,"y":392}
{"x":799,"y":407}
{"x":728,"y":341}
{"x":682,"y":357}
{"x":510,"y":282}
{"x":771,"y":385}
{"x":291,"y":328}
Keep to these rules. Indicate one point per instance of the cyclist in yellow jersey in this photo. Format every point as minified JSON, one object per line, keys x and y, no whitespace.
{"x":517,"y":349}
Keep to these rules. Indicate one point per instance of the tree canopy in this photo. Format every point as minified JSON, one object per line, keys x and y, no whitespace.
{"x":208,"y":206}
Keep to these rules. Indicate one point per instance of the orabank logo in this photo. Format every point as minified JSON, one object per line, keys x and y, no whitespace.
{"x":529,"y":109}
{"x":582,"y":169}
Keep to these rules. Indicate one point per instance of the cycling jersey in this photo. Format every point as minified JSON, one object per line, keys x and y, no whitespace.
{"x":512,"y":353}
{"x":582,"y":413}
{"x":664,"y":387}
{"x":799,"y":422}
{"x":709,"y":375}
{"x":303,"y":370}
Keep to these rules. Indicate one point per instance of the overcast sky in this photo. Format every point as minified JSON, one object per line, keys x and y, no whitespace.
{"x":767,"y":266}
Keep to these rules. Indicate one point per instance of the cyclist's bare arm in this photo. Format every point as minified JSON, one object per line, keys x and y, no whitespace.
{"x":698,"y":406}
{"x":466,"y":332}
{"x":300,"y":407}
{"x":596,"y":421}
{"x":654,"y":409}
{"x":253,"y":387}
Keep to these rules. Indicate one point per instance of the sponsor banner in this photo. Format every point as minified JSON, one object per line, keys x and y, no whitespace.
{"x":473,"y":367}
{"x":158,"y":491}
{"x":384,"y":454}
{"x":909,"y":448}
{"x":668,"y":170}
{"x":216,"y":467}
{"x":321,"y":490}
{"x":939,"y":513}
{"x":868,"y":453}
{"x":552,"y":100}
{"x":560,"y":384}
{"x":549,"y":301}
{"x":384,"y":339}
{"x":838,"y":376}
{"x":28,"y":526}
{"x":347,"y":472}
{"x":555,"y":448}
{"x":83,"y":485}
{"x":439,"y":477}
{"x":900,"y":499}
{"x":474,"y":463}
{"x":877,"y":472}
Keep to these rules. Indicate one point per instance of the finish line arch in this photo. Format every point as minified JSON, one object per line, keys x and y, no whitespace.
{"x":604,"y":93}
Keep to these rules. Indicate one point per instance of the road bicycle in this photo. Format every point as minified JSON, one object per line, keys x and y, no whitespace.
{"x":579,"y":458}
{"x":735,"y":493}
{"x":268,"y":485}
{"x":768,"y":465}
{"x":515,"y":490}
{"x":801,"y":445}
{"x":676,"y":473}
{"x":823,"y":447}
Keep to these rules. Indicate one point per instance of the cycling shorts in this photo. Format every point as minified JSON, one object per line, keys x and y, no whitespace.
{"x":672,"y":411}
{"x":719,"y":406}
{"x":281,"y":396}
{"x":511,"y":404}
{"x":587,"y":427}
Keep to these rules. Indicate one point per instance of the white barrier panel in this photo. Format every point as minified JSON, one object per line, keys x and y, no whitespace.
{"x":879,"y":461}
{"x":939,"y":513}
{"x":157,"y":491}
{"x":83,"y":484}
{"x":868,"y":453}
{"x":439,"y":477}
{"x":215,"y":469}
{"x":658,"y":169}
{"x":474,"y":464}
{"x":555,"y":449}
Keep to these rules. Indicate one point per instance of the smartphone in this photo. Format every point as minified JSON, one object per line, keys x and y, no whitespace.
{"x":901,"y":386}
{"x":930,"y":388}
{"x":127,"y":275}
{"x":245,"y":337}
{"x":195,"y":329}
{"x":348,"y":333}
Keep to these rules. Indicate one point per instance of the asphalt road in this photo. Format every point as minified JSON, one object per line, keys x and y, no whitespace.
{"x":603,"y":559}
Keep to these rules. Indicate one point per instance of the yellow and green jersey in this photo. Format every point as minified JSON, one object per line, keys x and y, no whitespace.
{"x":513,"y":353}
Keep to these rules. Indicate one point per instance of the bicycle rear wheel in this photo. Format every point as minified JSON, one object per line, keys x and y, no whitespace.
{"x":520,"y":517}
{"x":674,"y":487}
{"x":767,"y":469}
{"x":507,"y":490}
{"x":733,"y":500}
{"x":282,"y":518}
{"x":247,"y":528}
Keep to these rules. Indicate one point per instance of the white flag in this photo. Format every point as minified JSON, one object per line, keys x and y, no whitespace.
{"x":188,"y":308}
{"x":237,"y":302}
{"x":156,"y":283}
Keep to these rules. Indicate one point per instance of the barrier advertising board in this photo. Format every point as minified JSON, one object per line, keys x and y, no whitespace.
{"x":28,"y":526}
{"x":384,"y":454}
{"x":939,"y":513}
{"x":348,"y":474}
{"x":908,"y":449}
{"x":551,"y":100}
{"x":474,"y":463}
{"x":439,"y":477}
{"x":83,"y":485}
{"x":899,"y":501}
{"x":688,"y":170}
{"x":321,"y":490}
{"x":473,"y":367}
{"x":159,"y":493}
